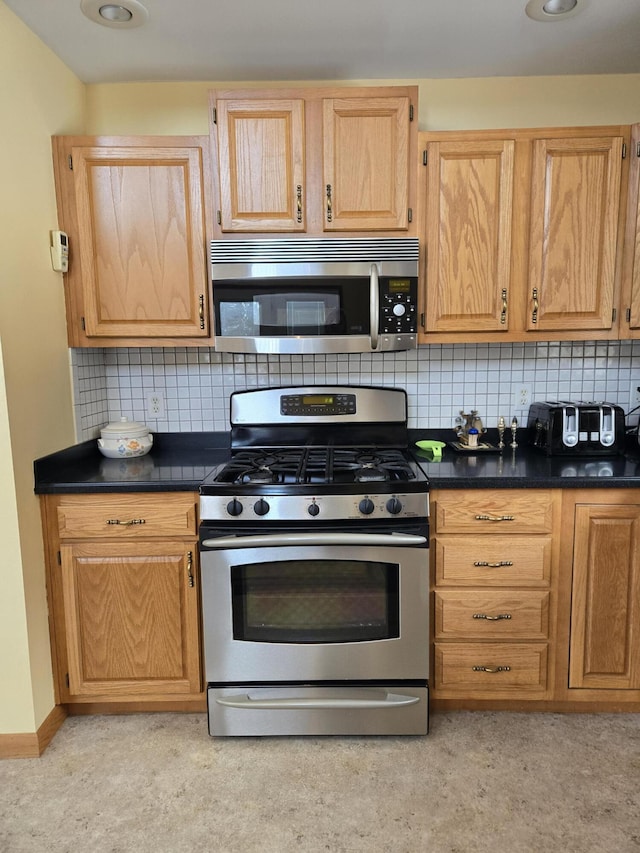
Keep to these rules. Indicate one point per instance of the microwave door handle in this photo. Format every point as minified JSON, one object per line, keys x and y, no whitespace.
{"x":374,"y":305}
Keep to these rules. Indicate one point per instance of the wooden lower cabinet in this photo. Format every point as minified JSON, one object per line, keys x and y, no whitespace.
{"x":604,"y":637}
{"x":536,"y":599}
{"x":123,"y":588}
{"x":494,"y":596}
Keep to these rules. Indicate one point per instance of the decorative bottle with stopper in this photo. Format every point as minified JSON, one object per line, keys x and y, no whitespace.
{"x":514,"y":427}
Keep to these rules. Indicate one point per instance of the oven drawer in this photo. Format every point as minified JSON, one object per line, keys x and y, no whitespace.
{"x":499,"y":511}
{"x":490,"y":670}
{"x":490,"y":614}
{"x":124,"y":516}
{"x":318,"y":710}
{"x":493,"y":560}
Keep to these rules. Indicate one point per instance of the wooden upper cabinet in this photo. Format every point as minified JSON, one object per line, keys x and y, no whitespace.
{"x":314,"y":161}
{"x":366,"y":163}
{"x":261,"y":160}
{"x":135,"y":213}
{"x":469,"y":212}
{"x":575,"y":203}
{"x":630,"y":322}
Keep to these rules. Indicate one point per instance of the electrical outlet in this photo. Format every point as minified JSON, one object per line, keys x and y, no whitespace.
{"x":634,"y":393}
{"x":155,"y":405}
{"x":523,"y":397}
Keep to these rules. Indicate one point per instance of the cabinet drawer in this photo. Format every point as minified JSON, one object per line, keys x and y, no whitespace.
{"x":493,"y":560}
{"x":118,"y":516}
{"x":499,"y":511}
{"x":489,"y":614}
{"x":490,"y":669}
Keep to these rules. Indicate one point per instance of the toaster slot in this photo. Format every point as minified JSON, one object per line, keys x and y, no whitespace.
{"x":607,"y":426}
{"x":569,"y":426}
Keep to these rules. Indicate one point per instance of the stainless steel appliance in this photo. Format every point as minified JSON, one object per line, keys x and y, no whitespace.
{"x":563,"y":428}
{"x":315,"y":570}
{"x":315,"y":296}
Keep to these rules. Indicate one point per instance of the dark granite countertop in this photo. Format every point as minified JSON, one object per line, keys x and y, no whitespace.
{"x":524,"y":467}
{"x":180,"y":461}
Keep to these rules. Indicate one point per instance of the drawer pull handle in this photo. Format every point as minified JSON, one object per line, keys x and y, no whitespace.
{"x":485,"y":565}
{"x":491,"y":668}
{"x":126,"y":523}
{"x":190,"y":568}
{"x":495,"y":518}
{"x":492,"y":618}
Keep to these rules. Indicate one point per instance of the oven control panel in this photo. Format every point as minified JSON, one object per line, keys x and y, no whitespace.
{"x":312,"y":405}
{"x":270,"y":507}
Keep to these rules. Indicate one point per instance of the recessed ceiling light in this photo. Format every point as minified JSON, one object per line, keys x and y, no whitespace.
{"x":554,"y":10}
{"x":127,"y":14}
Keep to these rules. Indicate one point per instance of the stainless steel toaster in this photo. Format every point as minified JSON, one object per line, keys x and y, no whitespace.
{"x":563,"y":428}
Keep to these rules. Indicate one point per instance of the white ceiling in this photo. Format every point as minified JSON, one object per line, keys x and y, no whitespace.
{"x":251,"y":40}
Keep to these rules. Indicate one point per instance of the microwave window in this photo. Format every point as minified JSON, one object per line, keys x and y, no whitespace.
{"x":265,"y":310}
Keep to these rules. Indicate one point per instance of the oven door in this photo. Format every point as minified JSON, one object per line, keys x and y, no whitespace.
{"x":315,"y":607}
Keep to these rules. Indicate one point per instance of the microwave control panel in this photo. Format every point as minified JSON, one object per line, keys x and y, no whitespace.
{"x":398,"y":306}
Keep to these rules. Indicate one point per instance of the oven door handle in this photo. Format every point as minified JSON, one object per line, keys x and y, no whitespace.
{"x":374,"y":305}
{"x":284,"y":704}
{"x":275,"y":540}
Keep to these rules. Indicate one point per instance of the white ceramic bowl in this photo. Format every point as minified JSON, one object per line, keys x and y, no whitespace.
{"x":124,"y":439}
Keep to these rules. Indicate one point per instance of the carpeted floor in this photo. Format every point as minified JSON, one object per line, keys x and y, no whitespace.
{"x":156,"y":783}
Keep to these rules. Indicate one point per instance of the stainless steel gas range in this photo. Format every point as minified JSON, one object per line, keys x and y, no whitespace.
{"x":315,"y":570}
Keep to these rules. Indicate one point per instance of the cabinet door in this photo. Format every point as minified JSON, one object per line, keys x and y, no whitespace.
{"x":261,"y":160}
{"x":575,"y":193}
{"x":131,"y":612}
{"x":631,"y":302}
{"x":141,"y":240}
{"x":468,"y":235}
{"x":366,"y":163}
{"x":605,"y":605}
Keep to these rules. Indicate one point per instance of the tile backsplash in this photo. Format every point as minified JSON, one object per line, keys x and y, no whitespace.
{"x":192,"y":385}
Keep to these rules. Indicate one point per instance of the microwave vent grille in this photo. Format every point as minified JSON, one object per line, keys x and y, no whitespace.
{"x":310,"y":250}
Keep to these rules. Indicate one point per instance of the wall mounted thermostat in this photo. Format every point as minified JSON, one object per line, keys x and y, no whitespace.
{"x":59,"y":251}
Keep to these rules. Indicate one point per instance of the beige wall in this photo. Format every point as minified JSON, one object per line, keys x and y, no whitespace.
{"x":122,"y":108}
{"x":39,"y":97}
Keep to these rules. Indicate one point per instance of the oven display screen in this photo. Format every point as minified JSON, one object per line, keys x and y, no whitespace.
{"x":318,"y":400}
{"x":399,"y":285}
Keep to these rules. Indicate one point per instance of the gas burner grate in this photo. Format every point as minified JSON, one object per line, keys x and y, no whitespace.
{"x":317,"y":465}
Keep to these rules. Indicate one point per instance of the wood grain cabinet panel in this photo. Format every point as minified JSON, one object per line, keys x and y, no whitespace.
{"x":630,"y":320}
{"x":494,"y":597}
{"x":491,"y":670}
{"x":493,"y":560}
{"x":135,"y":211}
{"x":366,"y":163}
{"x":605,"y":605}
{"x":499,"y":511}
{"x":468,"y":234}
{"x":124,"y":602}
{"x":314,"y":160}
{"x":261,"y":162}
{"x":491,"y":614}
{"x":575,"y":200}
{"x":131,"y":619}
{"x":126,"y":516}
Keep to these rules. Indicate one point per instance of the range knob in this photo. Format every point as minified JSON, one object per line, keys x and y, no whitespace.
{"x":366,"y":506}
{"x":313,"y":509}
{"x":394,"y":506}
{"x":234,"y":507}
{"x":261,"y":507}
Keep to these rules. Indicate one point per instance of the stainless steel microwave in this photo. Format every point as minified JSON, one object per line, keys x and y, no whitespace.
{"x":315,"y":296}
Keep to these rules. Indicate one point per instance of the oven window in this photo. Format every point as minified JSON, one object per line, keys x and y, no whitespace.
{"x":315,"y":601}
